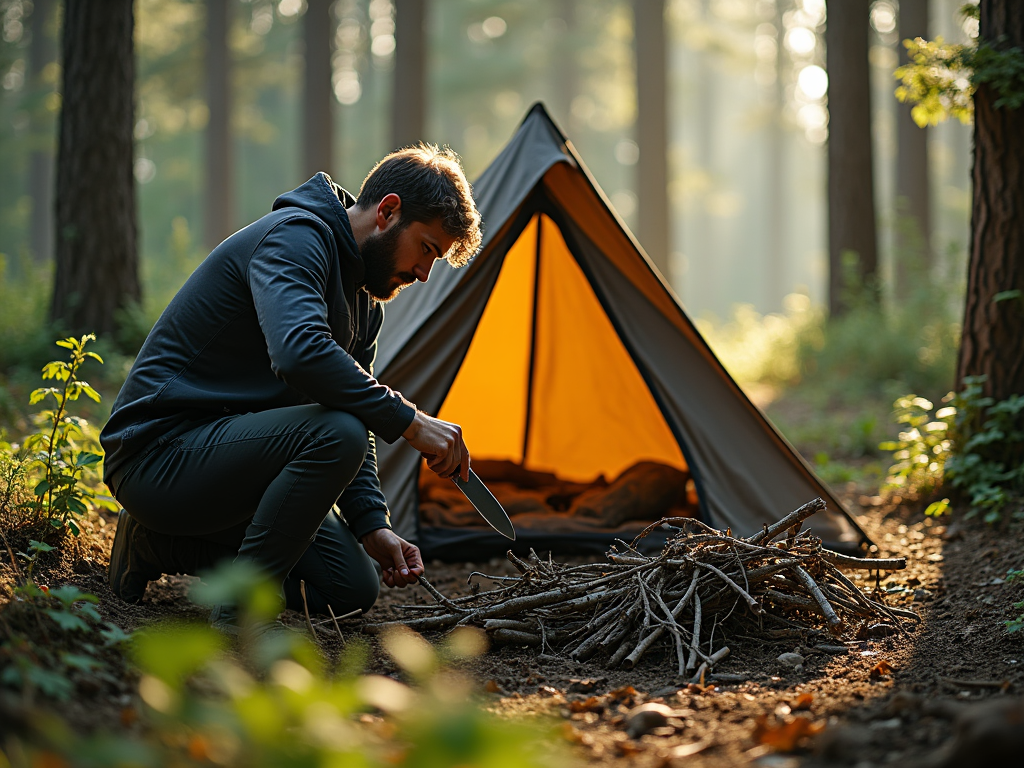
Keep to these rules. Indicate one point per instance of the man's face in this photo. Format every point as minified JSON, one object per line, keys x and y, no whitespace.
{"x":401,"y":255}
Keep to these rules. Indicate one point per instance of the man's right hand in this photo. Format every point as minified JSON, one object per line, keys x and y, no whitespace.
{"x":440,"y":443}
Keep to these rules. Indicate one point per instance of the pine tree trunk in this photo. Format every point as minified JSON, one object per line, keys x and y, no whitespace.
{"x":851,"y":197}
{"x":317,"y":94}
{"x":408,"y":96}
{"x":97,"y":262}
{"x":913,"y":180}
{"x":219,"y":188}
{"x":992,"y":328}
{"x":40,"y":184}
{"x":652,"y":130}
{"x":775,"y":254}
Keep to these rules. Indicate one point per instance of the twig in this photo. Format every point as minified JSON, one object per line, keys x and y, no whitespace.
{"x":337,"y":629}
{"x":834,"y":622}
{"x":710,"y":662}
{"x":305,"y":608}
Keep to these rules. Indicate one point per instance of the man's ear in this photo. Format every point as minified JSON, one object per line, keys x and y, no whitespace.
{"x":389,"y":211}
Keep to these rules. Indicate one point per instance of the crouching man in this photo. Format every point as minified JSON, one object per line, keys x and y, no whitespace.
{"x":251,"y":410}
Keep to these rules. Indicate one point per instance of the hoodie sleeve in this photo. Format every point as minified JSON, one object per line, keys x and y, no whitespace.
{"x":287,"y":275}
{"x":363,"y":502}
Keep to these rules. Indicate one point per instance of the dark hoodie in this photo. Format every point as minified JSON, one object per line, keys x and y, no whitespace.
{"x":275,"y":316}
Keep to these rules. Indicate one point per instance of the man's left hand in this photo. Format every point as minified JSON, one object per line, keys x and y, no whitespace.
{"x":400,"y":561}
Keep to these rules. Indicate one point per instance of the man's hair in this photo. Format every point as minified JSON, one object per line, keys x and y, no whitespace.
{"x":432,"y":185}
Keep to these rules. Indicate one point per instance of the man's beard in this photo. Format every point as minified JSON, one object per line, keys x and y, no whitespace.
{"x":379,"y":278}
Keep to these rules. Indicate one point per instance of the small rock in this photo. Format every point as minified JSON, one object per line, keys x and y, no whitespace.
{"x":794,"y":660}
{"x":585,"y":686}
{"x":647,"y":717}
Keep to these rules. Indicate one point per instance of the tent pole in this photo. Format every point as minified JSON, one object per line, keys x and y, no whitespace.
{"x":533,"y":341}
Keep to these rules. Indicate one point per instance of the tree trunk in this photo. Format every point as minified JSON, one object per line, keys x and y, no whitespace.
{"x":219,"y":187}
{"x":408,"y":96}
{"x":40,"y":180}
{"x":993,"y":328}
{"x":97,"y":264}
{"x":913,"y":243}
{"x":652,"y":130}
{"x":317,"y":94}
{"x":851,"y":196}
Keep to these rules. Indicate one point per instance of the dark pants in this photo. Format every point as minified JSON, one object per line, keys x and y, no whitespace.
{"x":260,"y":487}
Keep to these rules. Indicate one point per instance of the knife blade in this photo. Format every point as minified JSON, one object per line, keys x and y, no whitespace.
{"x":488,"y":506}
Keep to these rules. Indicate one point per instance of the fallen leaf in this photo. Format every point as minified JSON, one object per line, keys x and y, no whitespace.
{"x":591,"y":704}
{"x":627,"y":748}
{"x":625,"y":695}
{"x":686,"y":750}
{"x":784,"y":735}
{"x":128,"y":716}
{"x":803,"y":702}
{"x":492,"y":687}
{"x":570,"y":734}
{"x":881,"y":669}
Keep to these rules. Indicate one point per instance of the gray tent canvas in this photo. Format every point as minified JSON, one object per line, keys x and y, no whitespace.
{"x":561,"y":349}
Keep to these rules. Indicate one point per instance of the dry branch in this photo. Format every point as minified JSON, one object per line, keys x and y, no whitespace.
{"x":701,"y":582}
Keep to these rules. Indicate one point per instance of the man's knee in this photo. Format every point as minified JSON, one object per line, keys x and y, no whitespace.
{"x":358,"y":590}
{"x":344,"y":435}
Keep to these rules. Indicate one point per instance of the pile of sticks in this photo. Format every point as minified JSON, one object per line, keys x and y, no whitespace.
{"x":620,"y":609}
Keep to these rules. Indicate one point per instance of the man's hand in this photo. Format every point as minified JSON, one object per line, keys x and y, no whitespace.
{"x":400,"y":561}
{"x":440,"y":443}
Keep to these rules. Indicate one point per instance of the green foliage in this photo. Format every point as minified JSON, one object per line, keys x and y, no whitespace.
{"x":270,"y":702}
{"x":942,"y":78}
{"x":53,"y":639}
{"x":57,"y":463}
{"x":987,"y":451}
{"x":975,"y":443}
{"x":920,"y":452}
{"x":1016,"y":624}
{"x":936,"y":81}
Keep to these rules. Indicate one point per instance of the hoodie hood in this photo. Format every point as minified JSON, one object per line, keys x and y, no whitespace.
{"x":328,"y":201}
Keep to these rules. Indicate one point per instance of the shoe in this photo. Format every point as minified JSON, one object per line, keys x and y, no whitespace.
{"x":132,"y":562}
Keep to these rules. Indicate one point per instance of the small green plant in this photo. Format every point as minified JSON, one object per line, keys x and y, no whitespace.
{"x":54,"y":639}
{"x":59,"y":464}
{"x":1016,"y":624}
{"x":988,"y":445}
{"x":921,"y":450}
{"x":270,"y":701}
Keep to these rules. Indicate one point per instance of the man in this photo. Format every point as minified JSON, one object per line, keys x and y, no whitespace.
{"x":251,"y":409}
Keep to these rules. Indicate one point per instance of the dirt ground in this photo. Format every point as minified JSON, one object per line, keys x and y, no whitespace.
{"x":914,"y":700}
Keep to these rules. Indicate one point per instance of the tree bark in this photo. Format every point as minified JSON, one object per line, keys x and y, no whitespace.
{"x":652,"y":130}
{"x":992,"y":329}
{"x":408,"y":99}
{"x":219,"y":170}
{"x":913,"y":183}
{"x":41,"y":54}
{"x":851,"y":197}
{"x":97,"y":262}
{"x":317,"y":94}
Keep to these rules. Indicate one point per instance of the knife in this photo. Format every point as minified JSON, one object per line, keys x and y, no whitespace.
{"x":485,"y":503}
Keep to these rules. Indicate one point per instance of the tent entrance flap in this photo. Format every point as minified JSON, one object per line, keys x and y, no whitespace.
{"x":553,"y":408}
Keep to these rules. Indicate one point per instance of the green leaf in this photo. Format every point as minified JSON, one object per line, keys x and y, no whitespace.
{"x":67,"y":621}
{"x":90,"y":612}
{"x":75,"y":530}
{"x":937,"y":508}
{"x":76,"y":506}
{"x":80,"y":662}
{"x":1006,"y":296}
{"x":52,"y":684}
{"x":91,"y":393}
{"x":95,"y":357}
{"x":68,"y":343}
{"x":172,"y":653}
{"x":84,"y":459}
{"x":41,"y":488}
{"x":69,"y":594}
{"x":39,"y":546}
{"x":113,"y":634}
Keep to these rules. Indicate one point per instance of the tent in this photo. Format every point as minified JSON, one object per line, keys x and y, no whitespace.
{"x":560,"y":348}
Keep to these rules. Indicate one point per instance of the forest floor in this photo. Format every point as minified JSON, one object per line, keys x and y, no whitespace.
{"x":951,"y":687}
